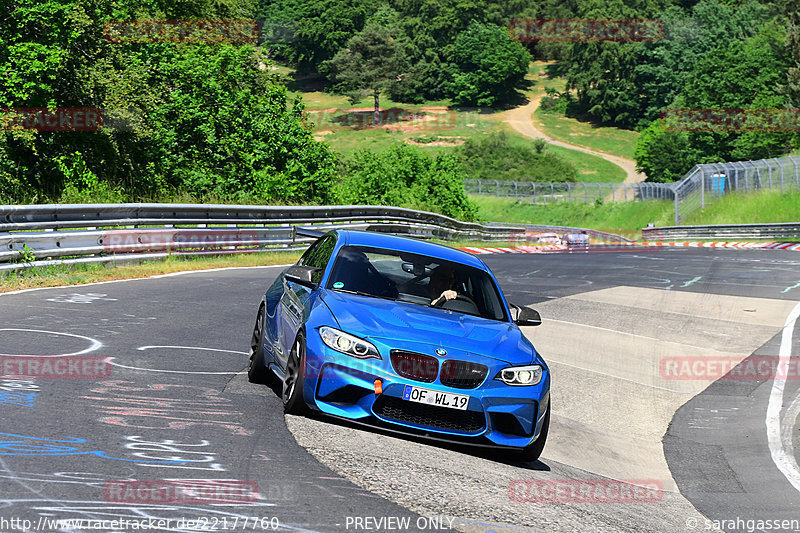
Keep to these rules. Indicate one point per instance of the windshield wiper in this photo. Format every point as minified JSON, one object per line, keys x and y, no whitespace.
{"x":369,"y":294}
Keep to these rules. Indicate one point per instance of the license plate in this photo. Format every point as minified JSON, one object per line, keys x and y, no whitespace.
{"x":433,"y":397}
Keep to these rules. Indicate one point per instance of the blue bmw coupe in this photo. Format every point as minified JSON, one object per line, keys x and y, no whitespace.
{"x":408,"y":335}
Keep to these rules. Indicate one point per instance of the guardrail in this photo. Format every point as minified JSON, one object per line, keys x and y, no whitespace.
{"x":724,"y":231}
{"x":118,"y":233}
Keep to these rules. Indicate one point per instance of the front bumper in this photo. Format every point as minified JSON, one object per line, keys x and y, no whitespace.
{"x":497,"y":414}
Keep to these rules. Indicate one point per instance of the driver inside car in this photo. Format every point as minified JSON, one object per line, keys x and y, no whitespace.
{"x":441,"y":285}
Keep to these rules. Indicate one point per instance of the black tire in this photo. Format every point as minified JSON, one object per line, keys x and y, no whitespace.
{"x":293,"y":402}
{"x":532,"y":452}
{"x":258,"y":372}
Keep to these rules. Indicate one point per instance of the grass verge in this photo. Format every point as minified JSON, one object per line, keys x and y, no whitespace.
{"x":612,"y":141}
{"x":741,"y":208}
{"x":627,"y":218}
{"x":80,"y":274}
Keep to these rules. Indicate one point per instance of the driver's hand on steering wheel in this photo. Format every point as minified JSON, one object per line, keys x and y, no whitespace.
{"x":446,"y":295}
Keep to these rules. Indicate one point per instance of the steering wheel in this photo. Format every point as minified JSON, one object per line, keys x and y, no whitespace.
{"x":465,"y":298}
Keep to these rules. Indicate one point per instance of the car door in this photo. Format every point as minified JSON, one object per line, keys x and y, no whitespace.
{"x":295,"y":300}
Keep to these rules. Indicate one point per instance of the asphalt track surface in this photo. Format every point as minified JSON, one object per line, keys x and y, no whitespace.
{"x":176,"y":405}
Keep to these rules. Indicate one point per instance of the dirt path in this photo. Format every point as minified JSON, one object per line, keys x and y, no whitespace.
{"x":520,"y":119}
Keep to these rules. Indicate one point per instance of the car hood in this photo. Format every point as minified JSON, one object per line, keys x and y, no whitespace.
{"x":377,"y":318}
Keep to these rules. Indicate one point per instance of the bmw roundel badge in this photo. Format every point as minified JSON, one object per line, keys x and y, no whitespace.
{"x":441,"y":352}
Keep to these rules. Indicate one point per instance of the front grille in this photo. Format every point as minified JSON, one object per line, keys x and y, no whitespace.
{"x":462,"y":374}
{"x":433,"y":416}
{"x":416,"y":366}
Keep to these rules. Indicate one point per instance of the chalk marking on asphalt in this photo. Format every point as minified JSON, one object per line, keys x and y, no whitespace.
{"x":549,"y":360}
{"x":691,"y":281}
{"x":780,"y":456}
{"x":96,"y":344}
{"x":787,"y":289}
{"x":139,"y":279}
{"x":632,"y":335}
{"x":143,"y":348}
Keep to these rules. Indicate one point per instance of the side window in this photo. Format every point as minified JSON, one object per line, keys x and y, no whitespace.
{"x":318,"y":256}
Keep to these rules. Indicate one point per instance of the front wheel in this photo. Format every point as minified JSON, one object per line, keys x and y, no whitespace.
{"x":532,"y":452}
{"x":293,"y":402}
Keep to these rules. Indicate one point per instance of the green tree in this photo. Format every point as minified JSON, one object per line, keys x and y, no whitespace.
{"x":371,"y":63}
{"x":489,"y":67}
{"x":318,"y":28}
{"x":746,"y":74}
{"x":207,"y":119}
{"x":664,"y":156}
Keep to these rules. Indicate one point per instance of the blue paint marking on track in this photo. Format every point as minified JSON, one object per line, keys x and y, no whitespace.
{"x":22,"y":445}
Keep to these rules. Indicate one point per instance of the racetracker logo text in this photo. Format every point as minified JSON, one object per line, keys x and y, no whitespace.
{"x":586,"y":30}
{"x":585,"y":491}
{"x":756,"y":368}
{"x":55,"y":367}
{"x":187,"y":491}
{"x":44,"y":119}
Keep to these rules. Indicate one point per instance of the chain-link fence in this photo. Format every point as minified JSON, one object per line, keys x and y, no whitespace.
{"x":705,"y":183}
{"x":702,"y":184}
{"x":547,"y":193}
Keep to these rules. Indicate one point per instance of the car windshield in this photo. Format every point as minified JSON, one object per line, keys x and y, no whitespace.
{"x":416,"y":279}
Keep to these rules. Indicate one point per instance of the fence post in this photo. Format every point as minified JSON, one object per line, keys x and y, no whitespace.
{"x":516,"y":195}
{"x":479,"y":186}
{"x":796,"y":172}
{"x":599,"y":190}
{"x":569,"y":194}
{"x":497,"y":184}
{"x":781,"y":167}
{"x":534,"y":192}
{"x":769,"y":170}
{"x":702,"y":187}
{"x":613,"y":192}
{"x":677,"y":218}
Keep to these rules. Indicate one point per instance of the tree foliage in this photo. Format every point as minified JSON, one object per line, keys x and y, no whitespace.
{"x":371,"y":63}
{"x":204,"y":119}
{"x":488,"y":66}
{"x":404,"y":176}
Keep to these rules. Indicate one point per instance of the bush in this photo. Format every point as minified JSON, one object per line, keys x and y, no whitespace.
{"x":554,"y":102}
{"x":497,"y":157}
{"x":664,"y":156}
{"x":404,"y":176}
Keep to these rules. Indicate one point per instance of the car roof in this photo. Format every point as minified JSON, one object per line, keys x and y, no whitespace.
{"x":407,"y":244}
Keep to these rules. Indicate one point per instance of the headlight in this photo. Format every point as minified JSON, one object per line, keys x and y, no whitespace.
{"x":345,"y":343}
{"x":521,"y":375}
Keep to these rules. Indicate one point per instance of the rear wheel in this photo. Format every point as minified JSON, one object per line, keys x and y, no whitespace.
{"x":293,"y":402}
{"x":258,"y":371}
{"x":532,"y":452}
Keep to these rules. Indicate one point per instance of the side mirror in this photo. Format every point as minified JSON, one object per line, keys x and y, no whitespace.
{"x":301,"y":274}
{"x":525,"y":316}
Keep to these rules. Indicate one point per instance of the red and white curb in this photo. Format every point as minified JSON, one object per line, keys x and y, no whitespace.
{"x":789,"y":246}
